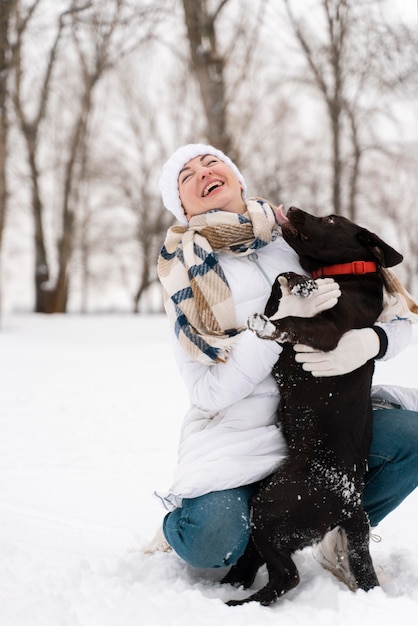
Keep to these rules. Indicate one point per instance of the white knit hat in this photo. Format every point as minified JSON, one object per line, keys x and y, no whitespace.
{"x":171,"y":169}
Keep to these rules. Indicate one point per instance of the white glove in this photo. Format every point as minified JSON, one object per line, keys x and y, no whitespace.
{"x":354,"y":349}
{"x":310,"y":303}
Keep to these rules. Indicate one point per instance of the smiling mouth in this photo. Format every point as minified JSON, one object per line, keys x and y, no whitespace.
{"x":211,"y":187}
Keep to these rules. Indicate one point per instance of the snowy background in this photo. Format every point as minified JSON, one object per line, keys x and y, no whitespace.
{"x":91,"y":408}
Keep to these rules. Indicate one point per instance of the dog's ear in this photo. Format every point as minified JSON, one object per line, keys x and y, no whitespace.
{"x":385,"y":255}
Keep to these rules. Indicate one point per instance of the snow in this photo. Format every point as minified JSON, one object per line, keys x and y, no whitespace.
{"x":91,"y":408}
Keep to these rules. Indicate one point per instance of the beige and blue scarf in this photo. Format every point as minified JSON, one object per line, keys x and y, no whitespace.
{"x":197,"y":297}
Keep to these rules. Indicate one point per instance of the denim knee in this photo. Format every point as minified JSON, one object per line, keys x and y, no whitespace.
{"x":211,"y":530}
{"x":393,"y":462}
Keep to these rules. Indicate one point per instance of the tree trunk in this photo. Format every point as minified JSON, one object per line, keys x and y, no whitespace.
{"x":208,"y":67}
{"x":4,"y":66}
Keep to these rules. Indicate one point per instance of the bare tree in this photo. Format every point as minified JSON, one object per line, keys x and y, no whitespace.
{"x":326,"y":59}
{"x":345,"y":62}
{"x":93,"y":64}
{"x":208,"y":63}
{"x":6,"y":9}
{"x":31,"y":118}
{"x":94,"y":36}
{"x":137,"y":180}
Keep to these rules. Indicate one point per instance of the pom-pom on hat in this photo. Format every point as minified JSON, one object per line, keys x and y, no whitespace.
{"x":169,"y":176}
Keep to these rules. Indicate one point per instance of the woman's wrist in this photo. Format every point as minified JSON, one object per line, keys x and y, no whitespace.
{"x":383,"y":340}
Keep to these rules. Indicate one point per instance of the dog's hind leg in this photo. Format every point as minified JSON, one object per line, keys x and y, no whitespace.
{"x":360,"y":561}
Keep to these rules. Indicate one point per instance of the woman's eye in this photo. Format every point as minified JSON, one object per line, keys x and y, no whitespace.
{"x":185,"y":178}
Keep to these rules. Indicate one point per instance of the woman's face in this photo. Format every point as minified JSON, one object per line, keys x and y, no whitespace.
{"x":207,"y":183}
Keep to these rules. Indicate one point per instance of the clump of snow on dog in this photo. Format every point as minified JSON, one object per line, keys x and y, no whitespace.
{"x":304,"y":289}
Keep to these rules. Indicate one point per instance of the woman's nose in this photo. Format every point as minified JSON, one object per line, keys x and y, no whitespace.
{"x":204,"y":171}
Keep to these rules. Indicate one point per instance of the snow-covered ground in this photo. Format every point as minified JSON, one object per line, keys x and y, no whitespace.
{"x":90,"y":410}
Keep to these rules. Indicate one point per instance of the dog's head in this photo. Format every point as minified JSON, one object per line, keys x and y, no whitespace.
{"x":334,"y":239}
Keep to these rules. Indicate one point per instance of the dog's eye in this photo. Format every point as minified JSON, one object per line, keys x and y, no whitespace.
{"x":330,"y":219}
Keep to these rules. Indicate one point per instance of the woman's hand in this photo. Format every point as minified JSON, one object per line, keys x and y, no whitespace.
{"x":354,"y":349}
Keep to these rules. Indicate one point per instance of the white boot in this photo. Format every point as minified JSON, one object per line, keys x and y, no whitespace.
{"x":331,"y":553}
{"x":158,"y":543}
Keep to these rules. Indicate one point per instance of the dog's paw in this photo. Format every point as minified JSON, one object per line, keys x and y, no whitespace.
{"x":261,"y":325}
{"x":284,"y":337}
{"x":304,"y":288}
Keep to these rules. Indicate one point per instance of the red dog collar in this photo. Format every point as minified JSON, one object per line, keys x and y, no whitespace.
{"x":356,"y":267}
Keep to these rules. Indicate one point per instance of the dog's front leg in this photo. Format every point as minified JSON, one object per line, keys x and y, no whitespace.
{"x":283,"y":576}
{"x":245,"y":570}
{"x":297,"y":284}
{"x":266,"y":329}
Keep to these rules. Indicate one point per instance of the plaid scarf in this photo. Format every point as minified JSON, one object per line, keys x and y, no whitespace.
{"x":197,"y":297}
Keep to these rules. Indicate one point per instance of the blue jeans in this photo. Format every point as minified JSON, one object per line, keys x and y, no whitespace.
{"x":213,"y":530}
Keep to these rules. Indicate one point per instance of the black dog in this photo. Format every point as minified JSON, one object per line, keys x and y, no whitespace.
{"x":326,"y":421}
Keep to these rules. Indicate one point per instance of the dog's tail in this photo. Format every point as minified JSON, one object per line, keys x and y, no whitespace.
{"x":397,"y":301}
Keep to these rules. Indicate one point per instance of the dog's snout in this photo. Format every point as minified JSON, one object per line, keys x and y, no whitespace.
{"x":295,"y":215}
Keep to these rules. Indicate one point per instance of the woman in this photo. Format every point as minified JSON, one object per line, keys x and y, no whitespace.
{"x":216,"y":269}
